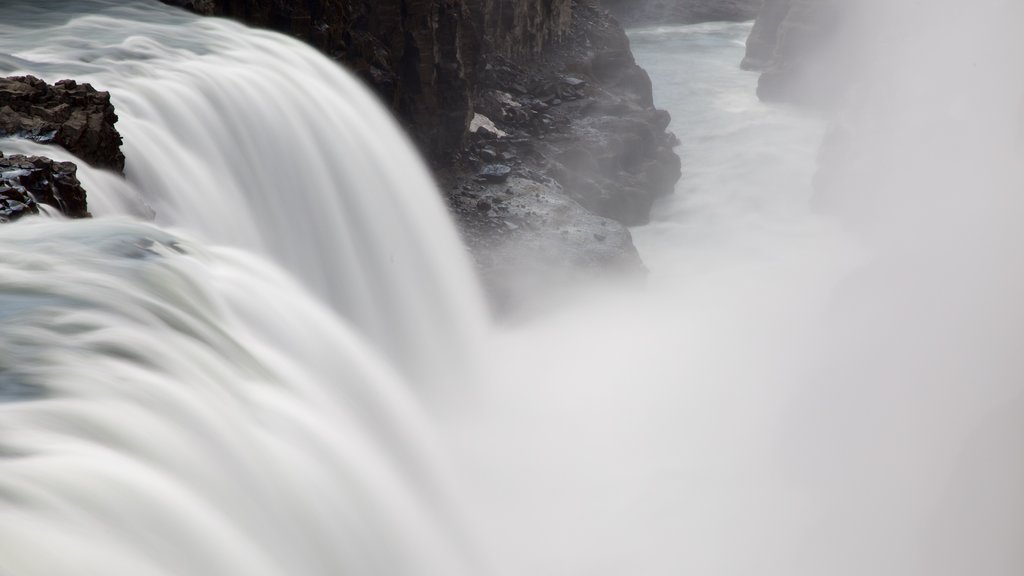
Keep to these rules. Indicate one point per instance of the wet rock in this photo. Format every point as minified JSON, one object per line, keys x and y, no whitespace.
{"x":494,"y":173}
{"x":26,"y":182}
{"x":68,"y":114}
{"x":543,"y":243}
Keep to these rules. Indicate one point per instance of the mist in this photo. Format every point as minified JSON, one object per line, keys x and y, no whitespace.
{"x":824,"y":372}
{"x":268,"y":352}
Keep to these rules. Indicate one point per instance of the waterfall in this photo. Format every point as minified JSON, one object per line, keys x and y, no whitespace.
{"x":224,"y":371}
{"x":252,"y":139}
{"x":185,"y":410}
{"x":233,"y":368}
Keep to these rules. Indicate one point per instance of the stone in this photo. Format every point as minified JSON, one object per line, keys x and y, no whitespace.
{"x":75,"y":116}
{"x":483,"y":124}
{"x":494,"y":173}
{"x":26,"y":182}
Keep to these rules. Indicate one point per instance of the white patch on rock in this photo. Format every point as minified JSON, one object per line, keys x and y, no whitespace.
{"x":481,"y":122}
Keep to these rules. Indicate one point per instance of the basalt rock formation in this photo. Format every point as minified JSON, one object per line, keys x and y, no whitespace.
{"x":683,"y":11}
{"x":564,"y":152}
{"x":26,"y":182}
{"x":68,"y":114}
{"x":420,"y":57}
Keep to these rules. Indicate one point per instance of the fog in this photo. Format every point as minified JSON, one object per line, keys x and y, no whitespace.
{"x":824,"y":372}
{"x":821,"y":374}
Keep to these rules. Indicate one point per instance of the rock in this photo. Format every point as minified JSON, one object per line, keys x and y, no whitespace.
{"x":494,"y":173}
{"x":28,"y":181}
{"x":545,"y":243}
{"x":74,"y":116}
{"x":422,"y":57}
{"x":791,"y":43}
{"x":483,"y":125}
{"x":682,"y":11}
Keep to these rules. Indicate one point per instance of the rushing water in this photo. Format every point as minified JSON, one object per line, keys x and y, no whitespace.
{"x":225,"y":372}
{"x":214,"y":162}
{"x":176,"y":403}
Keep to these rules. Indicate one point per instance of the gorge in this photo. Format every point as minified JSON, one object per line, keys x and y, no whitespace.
{"x":394,"y":288}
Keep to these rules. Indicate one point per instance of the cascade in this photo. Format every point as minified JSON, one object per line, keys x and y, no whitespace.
{"x":252,"y":139}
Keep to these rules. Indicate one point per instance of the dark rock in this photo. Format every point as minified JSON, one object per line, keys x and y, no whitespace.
{"x":682,"y":11}
{"x":74,"y":116}
{"x":420,"y":56}
{"x":488,"y":154}
{"x":26,"y":182}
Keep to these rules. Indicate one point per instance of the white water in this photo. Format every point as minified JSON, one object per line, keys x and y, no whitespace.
{"x":173,"y":427}
{"x":175,"y":406}
{"x":206,"y":110}
{"x":203,"y":414}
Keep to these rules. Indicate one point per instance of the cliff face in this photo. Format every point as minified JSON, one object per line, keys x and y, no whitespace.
{"x":419,"y":56}
{"x":522,"y":29}
{"x":682,"y":11}
{"x":790,"y":44}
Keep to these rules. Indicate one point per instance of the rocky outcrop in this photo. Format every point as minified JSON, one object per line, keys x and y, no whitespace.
{"x":789,"y":43}
{"x":75,"y":116}
{"x":26,"y":182}
{"x":529,"y":238}
{"x":565,"y":152}
{"x":683,"y":11}
{"x":764,"y":36}
{"x":584,"y":117}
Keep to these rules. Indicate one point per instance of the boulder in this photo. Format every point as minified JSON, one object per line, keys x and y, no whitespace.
{"x":75,"y":116}
{"x":26,"y":182}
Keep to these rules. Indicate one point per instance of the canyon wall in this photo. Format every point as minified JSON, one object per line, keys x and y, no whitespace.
{"x":791,"y":45}
{"x":682,"y":11}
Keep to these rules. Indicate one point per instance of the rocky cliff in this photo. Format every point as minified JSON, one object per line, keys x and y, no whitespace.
{"x":421,"y":57}
{"x":682,"y":11}
{"x":789,"y":44}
